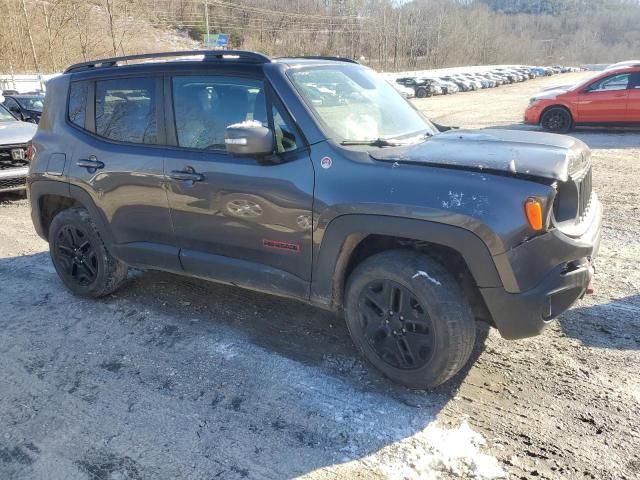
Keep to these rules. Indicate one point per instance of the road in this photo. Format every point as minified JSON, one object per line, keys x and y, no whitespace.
{"x":177,"y":378}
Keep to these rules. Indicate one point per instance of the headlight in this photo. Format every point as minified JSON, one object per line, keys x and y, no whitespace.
{"x":533,"y":100}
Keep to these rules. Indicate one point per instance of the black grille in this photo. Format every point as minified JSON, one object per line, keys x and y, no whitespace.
{"x":6,"y":159}
{"x":584,"y":194}
{"x":11,"y":183}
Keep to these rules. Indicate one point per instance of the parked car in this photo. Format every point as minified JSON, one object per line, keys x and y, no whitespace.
{"x":485,"y":76}
{"x":484,"y":82}
{"x":539,"y":71}
{"x":406,"y":92}
{"x":14,"y":162}
{"x":423,"y":87}
{"x":412,"y":233}
{"x":463,"y":84}
{"x":27,"y":108}
{"x":448,"y":88}
{"x":509,"y":76}
{"x":609,"y":97}
{"x":475,"y":83}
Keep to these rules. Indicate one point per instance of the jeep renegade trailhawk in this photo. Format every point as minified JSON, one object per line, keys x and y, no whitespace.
{"x":312,"y":178}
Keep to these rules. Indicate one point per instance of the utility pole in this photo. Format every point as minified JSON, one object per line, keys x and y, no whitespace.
{"x":206,"y":19}
{"x":33,"y":48}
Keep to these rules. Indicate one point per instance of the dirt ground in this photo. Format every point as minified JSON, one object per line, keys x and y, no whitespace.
{"x":173,"y":378}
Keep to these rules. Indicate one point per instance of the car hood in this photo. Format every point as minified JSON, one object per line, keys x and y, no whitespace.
{"x":16,"y":132}
{"x":514,"y":152}
{"x":557,"y":87}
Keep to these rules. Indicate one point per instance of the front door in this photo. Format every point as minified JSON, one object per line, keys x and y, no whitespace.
{"x":605,"y":100}
{"x":117,"y":159}
{"x":239,"y":220}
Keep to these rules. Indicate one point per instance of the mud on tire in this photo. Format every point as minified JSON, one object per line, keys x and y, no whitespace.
{"x":81,"y":258}
{"x":408,"y":316}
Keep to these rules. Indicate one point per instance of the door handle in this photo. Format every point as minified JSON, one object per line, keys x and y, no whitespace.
{"x":189,"y":174}
{"x":91,"y":163}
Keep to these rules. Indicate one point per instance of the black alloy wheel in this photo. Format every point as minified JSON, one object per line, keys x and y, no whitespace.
{"x":75,"y":255}
{"x":557,"y":120}
{"x":396,"y":325}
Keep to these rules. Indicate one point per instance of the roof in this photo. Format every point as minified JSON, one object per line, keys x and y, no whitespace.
{"x":222,"y":56}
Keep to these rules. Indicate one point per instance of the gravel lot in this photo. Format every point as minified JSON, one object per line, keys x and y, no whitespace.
{"x":178,"y":378}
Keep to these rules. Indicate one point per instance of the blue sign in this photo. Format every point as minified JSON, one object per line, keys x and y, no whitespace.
{"x":216,"y":40}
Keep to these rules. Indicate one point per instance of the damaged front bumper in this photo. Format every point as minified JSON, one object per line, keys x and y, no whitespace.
{"x":551,"y":272}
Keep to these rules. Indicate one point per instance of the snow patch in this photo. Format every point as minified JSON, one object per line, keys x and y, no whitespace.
{"x":227,"y":350}
{"x":421,"y":273}
{"x":434,"y":451}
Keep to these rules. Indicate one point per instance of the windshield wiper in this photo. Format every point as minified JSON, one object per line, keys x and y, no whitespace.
{"x":385,"y":142}
{"x":378,"y":142}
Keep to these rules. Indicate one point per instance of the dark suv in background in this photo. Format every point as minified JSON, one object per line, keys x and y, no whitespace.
{"x":312,"y":178}
{"x":26,"y":107}
{"x":423,"y":87}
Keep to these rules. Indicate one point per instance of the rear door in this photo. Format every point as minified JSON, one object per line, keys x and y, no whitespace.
{"x":117,"y":159}
{"x":605,"y":100}
{"x":633,"y":104}
{"x":240,"y":220}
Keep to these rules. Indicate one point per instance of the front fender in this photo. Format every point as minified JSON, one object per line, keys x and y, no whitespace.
{"x":344,"y":233}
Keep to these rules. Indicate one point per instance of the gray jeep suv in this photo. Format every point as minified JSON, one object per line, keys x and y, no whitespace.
{"x":312,"y":178}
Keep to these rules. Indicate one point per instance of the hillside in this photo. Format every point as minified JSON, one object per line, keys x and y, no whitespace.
{"x":44,"y":36}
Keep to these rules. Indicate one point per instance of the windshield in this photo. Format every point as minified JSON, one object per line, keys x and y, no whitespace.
{"x":354,"y":104}
{"x":5,"y":116}
{"x":586,"y":81}
{"x":31,"y":103}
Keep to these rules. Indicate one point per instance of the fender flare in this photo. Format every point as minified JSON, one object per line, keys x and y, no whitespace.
{"x":39,"y":188}
{"x":344,"y":233}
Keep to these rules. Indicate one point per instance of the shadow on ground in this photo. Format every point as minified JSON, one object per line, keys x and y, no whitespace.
{"x":615,"y":324}
{"x":174,"y":378}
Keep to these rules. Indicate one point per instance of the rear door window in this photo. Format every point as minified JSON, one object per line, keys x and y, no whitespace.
{"x":126,"y":110}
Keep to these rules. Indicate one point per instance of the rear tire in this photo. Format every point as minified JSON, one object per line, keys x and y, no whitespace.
{"x":81,"y":258}
{"x":556,"y":120}
{"x":408,"y":316}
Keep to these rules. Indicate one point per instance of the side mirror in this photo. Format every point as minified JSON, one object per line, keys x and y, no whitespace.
{"x":249,"y":138}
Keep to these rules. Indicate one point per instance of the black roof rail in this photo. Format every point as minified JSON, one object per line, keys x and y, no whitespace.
{"x":323,"y":57}
{"x":242,"y":55}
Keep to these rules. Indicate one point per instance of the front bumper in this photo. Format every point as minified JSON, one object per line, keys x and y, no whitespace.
{"x":525,"y":313}
{"x":13,"y":179}
{"x":532,"y":114}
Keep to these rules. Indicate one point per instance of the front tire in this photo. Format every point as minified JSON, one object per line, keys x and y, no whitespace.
{"x":556,"y":120}
{"x":81,"y":258}
{"x":422,"y":92}
{"x":408,"y":316}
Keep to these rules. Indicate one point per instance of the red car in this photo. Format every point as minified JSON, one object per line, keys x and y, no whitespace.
{"x":608,"y":98}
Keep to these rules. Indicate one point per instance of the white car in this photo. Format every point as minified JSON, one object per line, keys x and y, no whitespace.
{"x":406,"y":92}
{"x":14,"y":164}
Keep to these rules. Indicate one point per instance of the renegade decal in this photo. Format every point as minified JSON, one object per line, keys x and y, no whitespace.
{"x":291,"y":247}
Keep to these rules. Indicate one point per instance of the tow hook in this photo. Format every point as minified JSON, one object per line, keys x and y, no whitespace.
{"x":590,"y":290}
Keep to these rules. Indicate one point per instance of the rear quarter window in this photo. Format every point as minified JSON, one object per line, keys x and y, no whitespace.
{"x":78,"y":103}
